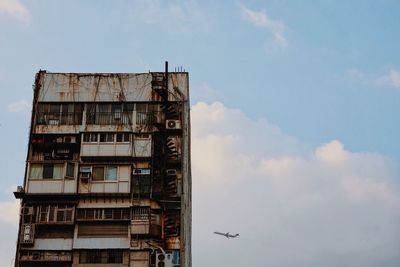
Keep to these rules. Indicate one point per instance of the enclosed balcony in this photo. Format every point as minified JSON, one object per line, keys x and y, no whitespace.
{"x":58,"y":117}
{"x":116,"y":145}
{"x":146,"y":222}
{"x":51,"y":178}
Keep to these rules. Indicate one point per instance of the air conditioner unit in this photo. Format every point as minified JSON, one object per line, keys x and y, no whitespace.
{"x":85,"y":173}
{"x":141,"y":172}
{"x":84,"y":176}
{"x":70,"y":139}
{"x":173,"y":124}
{"x":164,"y":260}
{"x":86,"y":169}
{"x":171,"y":172}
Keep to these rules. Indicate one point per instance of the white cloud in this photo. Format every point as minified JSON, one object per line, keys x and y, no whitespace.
{"x":293,"y":205}
{"x":171,"y":16}
{"x":260,"y":19}
{"x":19,"y":106}
{"x":392,"y":79}
{"x":15,"y":9}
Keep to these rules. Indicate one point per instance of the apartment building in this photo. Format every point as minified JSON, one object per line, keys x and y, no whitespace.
{"x":107,"y":180}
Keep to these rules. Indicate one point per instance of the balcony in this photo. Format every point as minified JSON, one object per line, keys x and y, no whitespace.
{"x":58,"y":122}
{"x":109,"y":146}
{"x":58,"y":118}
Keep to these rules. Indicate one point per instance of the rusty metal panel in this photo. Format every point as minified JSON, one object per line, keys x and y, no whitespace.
{"x":173,"y":243}
{"x":110,"y":87}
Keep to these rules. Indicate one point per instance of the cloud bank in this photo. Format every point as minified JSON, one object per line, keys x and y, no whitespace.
{"x":294,"y":205}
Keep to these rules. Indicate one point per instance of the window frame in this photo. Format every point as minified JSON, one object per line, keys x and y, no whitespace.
{"x":105,"y":169}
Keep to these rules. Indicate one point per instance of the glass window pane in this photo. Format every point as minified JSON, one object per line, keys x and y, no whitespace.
{"x":70,"y":170}
{"x":58,"y":171}
{"x":119,"y":137}
{"x":36,"y":171}
{"x":93,"y":137}
{"x":102,"y":137}
{"x":51,"y":214}
{"x":48,"y":171}
{"x":111,"y":174}
{"x":108,"y":214}
{"x":98,"y":173}
{"x":86,"y":137}
{"x":60,"y":215}
{"x":110,"y":137}
{"x":127,"y":137}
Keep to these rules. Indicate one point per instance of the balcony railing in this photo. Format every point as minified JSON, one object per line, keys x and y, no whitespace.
{"x":145,"y":118}
{"x":108,"y":118}
{"x":57,"y":118}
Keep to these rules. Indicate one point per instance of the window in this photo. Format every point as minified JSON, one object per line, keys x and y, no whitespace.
{"x":111,"y":173}
{"x":103,"y":214}
{"x":106,"y":137}
{"x":109,"y":114}
{"x":142,"y":184}
{"x":106,"y":173}
{"x":36,"y":171}
{"x":110,"y":137}
{"x":141,"y":214}
{"x":43,"y":214}
{"x":123,"y":137}
{"x":59,"y":114}
{"x":90,"y":137}
{"x":98,"y":173}
{"x":64,"y":213}
{"x":100,"y":256}
{"x":46,"y":171}
{"x":56,"y":213}
{"x":93,"y":137}
{"x":70,"y":172}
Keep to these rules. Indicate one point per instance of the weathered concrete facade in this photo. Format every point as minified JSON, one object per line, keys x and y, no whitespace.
{"x":107,"y":180}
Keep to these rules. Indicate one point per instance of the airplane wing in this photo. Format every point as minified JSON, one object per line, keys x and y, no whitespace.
{"x":233,"y":236}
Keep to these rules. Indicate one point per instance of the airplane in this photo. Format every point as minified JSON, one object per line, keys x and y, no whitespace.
{"x":227,"y":235}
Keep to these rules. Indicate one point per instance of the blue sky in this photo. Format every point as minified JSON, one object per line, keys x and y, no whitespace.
{"x":303,"y":76}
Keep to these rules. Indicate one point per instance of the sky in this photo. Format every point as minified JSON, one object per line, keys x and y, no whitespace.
{"x":294,"y":116}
